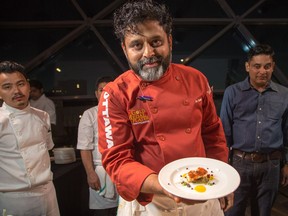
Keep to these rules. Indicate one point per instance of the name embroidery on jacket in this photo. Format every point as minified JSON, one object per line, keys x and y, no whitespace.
{"x":108,"y":127}
{"x":138,"y":116}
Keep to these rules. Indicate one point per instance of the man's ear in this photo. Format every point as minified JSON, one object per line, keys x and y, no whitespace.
{"x":247,"y":66}
{"x":273,"y":65}
{"x":170,"y":40}
{"x":96,"y":94}
{"x":124,"y":48}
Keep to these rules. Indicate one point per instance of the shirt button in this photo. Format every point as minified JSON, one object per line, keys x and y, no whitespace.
{"x":188,"y":130}
{"x":177,"y":78}
{"x":186,"y":102}
{"x":162,"y":138}
{"x":259,"y":122}
{"x":154,"y":110}
{"x":144,"y":85}
{"x":260,"y":108}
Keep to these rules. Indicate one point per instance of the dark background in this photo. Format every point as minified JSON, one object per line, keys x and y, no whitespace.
{"x":76,"y":36}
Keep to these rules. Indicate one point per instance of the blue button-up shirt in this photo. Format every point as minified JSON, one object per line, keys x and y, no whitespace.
{"x":255,"y":121}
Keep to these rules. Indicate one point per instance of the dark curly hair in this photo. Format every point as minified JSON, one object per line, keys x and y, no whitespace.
{"x":131,"y":13}
{"x":260,"y":49}
{"x":11,"y":67}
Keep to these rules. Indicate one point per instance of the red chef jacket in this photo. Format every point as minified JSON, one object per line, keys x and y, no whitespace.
{"x":145,"y":125}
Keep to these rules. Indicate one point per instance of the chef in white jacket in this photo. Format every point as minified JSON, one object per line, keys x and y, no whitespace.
{"x":103,"y":197}
{"x":26,"y":186}
{"x":39,"y":100}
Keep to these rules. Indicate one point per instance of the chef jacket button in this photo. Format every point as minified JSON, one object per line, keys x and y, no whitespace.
{"x":162,"y":138}
{"x":144,"y":85}
{"x":186,"y":102}
{"x":188,"y":130}
{"x":154,"y":110}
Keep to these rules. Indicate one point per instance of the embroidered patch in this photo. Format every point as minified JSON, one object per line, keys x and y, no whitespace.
{"x":139,"y":116}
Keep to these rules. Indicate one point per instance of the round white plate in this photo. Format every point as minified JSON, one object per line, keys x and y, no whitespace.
{"x":226,"y":178}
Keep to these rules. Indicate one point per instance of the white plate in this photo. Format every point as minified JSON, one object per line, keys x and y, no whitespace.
{"x":226,"y":178}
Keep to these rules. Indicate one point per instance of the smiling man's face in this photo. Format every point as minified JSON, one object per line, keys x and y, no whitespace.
{"x":149,"y":51}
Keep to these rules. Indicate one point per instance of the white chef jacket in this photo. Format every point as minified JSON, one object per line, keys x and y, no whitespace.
{"x":107,"y":197}
{"x":47,"y":105}
{"x":25,"y":137}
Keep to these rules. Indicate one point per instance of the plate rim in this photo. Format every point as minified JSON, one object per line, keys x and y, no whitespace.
{"x":185,"y":195}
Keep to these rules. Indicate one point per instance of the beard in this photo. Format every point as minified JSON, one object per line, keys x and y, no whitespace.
{"x":153,"y":73}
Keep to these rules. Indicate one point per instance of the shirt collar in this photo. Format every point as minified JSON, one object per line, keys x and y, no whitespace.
{"x":245,"y":85}
{"x":15,"y":110}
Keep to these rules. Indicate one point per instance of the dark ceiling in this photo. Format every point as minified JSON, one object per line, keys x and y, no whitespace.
{"x":36,"y":33}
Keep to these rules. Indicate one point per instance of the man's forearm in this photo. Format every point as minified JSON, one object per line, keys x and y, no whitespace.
{"x":87,"y":160}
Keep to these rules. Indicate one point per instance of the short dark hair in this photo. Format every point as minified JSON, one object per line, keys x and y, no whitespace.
{"x":12,"y":67}
{"x":106,"y":79}
{"x":132,"y":13}
{"x":36,"y":84}
{"x":260,"y":49}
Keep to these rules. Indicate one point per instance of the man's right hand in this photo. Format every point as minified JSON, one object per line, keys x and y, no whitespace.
{"x":93,"y":181}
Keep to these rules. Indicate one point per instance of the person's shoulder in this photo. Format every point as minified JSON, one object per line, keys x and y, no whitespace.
{"x":126,"y":80}
{"x":240,"y":84}
{"x":279,"y":87}
{"x":236,"y":88}
{"x":91,"y":110}
{"x":40,"y":113}
{"x":234,"y":85}
{"x":90,"y":113}
{"x":48,"y":99}
{"x":126,"y":77}
{"x":36,"y":110}
{"x":4,"y":113}
{"x":186,"y":69}
{"x":189,"y":73}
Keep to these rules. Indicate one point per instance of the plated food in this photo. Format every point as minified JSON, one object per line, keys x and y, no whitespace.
{"x":193,"y":178}
{"x":199,"y":178}
{"x":200,"y":175}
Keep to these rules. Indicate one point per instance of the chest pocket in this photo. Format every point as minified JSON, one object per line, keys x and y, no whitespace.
{"x":275,"y":110}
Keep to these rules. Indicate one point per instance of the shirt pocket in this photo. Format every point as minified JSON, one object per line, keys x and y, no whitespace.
{"x":275,"y":110}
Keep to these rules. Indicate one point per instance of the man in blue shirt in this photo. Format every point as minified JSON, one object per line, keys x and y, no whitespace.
{"x":254,"y":113}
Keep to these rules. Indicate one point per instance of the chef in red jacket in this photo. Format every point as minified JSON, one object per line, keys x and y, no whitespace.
{"x":153,"y":114}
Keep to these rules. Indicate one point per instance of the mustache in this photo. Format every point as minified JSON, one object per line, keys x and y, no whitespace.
{"x":150,"y":60}
{"x":17,"y":96}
